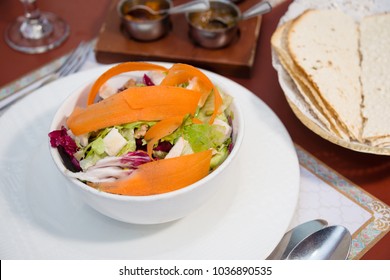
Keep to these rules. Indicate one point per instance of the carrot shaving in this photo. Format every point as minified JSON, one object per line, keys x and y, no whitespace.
{"x":218,"y":101}
{"x":118,"y":69}
{"x":134,"y":104}
{"x":196,"y":121}
{"x":184,"y":73}
{"x":161,"y":176}
{"x":160,"y":130}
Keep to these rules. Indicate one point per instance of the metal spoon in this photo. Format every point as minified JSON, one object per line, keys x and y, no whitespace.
{"x":194,"y":6}
{"x":256,"y":10}
{"x":330,"y":243}
{"x":294,"y":236}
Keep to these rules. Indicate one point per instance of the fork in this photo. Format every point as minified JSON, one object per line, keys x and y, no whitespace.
{"x":72,"y":64}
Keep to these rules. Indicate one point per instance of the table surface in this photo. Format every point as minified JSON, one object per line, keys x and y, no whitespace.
{"x":370,"y":172}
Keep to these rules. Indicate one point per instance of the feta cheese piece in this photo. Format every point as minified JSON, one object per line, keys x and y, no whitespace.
{"x":106,"y":91}
{"x":82,"y":139}
{"x":113,"y":142}
{"x":181,"y":147}
{"x":156,"y":77}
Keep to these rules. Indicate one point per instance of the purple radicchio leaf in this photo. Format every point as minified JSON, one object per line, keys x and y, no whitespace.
{"x":230,"y":147}
{"x":134,"y":159}
{"x":230,"y":122}
{"x":66,"y":147}
{"x":140,"y":145}
{"x":164,"y":146}
{"x":148,"y":81}
{"x":110,"y":169}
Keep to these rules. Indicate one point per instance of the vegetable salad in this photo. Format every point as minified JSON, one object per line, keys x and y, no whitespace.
{"x":159,"y":132}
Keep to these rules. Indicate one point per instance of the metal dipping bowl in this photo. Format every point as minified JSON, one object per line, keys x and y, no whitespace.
{"x":218,"y":26}
{"x":214,"y":37}
{"x":141,"y":25}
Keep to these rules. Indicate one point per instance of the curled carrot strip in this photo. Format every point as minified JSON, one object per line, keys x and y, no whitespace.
{"x":196,"y":121}
{"x":161,"y":176}
{"x":182,"y":73}
{"x":160,"y":130}
{"x":151,"y":103}
{"x":118,"y":69}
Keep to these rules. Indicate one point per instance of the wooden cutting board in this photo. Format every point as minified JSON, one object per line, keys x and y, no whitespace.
{"x":114,"y":45}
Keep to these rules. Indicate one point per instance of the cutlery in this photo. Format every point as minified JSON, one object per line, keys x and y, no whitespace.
{"x":71,"y":65}
{"x":329,"y":243}
{"x":294,"y":236}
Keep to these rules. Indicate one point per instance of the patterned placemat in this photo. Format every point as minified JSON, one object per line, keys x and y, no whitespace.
{"x":328,"y":195}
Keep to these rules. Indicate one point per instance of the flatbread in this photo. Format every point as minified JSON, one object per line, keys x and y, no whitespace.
{"x":308,"y":92}
{"x":375,"y":53}
{"x":325,"y":45}
{"x":341,"y":70}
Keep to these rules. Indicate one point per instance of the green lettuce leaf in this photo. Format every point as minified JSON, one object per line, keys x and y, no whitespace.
{"x":204,"y":136}
{"x":94,"y":151}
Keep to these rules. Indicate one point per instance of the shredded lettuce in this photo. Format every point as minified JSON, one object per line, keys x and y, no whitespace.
{"x":204,"y":113}
{"x":112,"y":168}
{"x":204,"y":136}
{"x":88,"y":154}
{"x":95,"y":150}
{"x":219,"y":157}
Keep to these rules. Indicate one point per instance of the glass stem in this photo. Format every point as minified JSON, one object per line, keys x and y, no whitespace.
{"x":31,"y":10}
{"x":35,"y":25}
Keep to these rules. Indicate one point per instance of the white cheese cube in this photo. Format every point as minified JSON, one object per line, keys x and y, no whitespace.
{"x":181,"y":147}
{"x":82,"y":139}
{"x":113,"y":142}
{"x":106,"y":91}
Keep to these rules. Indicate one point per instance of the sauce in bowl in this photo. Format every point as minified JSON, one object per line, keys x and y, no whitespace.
{"x":141,"y":14}
{"x":214,"y":19}
{"x":142,"y":25}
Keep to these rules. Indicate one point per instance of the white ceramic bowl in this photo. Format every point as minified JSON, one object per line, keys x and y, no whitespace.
{"x":151,"y":209}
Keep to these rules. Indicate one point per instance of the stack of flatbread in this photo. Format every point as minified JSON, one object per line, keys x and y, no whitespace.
{"x":341,"y":69}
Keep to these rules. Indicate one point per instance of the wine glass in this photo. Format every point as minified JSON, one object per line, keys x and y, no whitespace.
{"x":36,"y":31}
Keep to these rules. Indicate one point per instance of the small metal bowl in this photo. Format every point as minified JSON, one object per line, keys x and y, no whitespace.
{"x":218,"y":26}
{"x":141,"y":25}
{"x":213,"y":36}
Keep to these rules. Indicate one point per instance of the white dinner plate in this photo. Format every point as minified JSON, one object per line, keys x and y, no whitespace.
{"x":41,"y":219}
